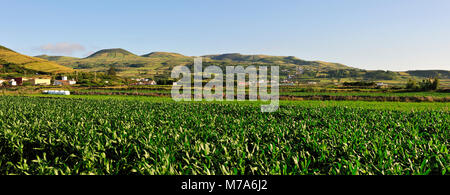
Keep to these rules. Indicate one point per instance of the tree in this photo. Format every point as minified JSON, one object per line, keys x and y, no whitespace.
{"x":112,"y":71}
{"x":429,"y":84}
{"x":411,"y":84}
{"x":435,"y":83}
{"x":425,"y":84}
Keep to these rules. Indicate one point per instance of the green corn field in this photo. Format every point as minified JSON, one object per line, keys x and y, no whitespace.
{"x":127,"y":137}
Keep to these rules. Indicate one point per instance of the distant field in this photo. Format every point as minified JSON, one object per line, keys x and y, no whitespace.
{"x":129,"y":135}
{"x":396,"y":94}
{"x":286,"y":93}
{"x":399,"y":106}
{"x":291,"y":92}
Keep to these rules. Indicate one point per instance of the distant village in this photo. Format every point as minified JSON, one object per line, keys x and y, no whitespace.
{"x":63,"y":81}
{"x":19,"y":81}
{"x":143,"y":81}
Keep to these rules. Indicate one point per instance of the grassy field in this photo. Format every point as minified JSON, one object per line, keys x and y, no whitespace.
{"x":372,"y":105}
{"x":384,"y":94}
{"x":294,"y":93}
{"x":284,"y":91}
{"x":150,"y":135}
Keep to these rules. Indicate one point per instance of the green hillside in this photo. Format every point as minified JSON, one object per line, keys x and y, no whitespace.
{"x":277,"y":60}
{"x":430,"y":73}
{"x":13,"y":62}
{"x":126,"y":63}
{"x":112,"y":53}
{"x":160,"y":64}
{"x":57,"y":58}
{"x":67,"y":61}
{"x":164,"y":55}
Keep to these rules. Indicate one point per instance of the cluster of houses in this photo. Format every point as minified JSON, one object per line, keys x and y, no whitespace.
{"x":291,"y":83}
{"x":143,"y":81}
{"x":259,"y":82}
{"x":37,"y":81}
{"x":382,"y":85}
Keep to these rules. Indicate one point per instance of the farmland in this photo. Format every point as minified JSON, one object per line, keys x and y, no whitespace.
{"x":286,"y":92}
{"x":149,"y":135}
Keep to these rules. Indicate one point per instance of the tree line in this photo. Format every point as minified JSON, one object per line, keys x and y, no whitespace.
{"x":424,"y":85}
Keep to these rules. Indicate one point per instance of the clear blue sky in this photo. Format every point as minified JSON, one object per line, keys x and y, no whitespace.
{"x":370,"y":34}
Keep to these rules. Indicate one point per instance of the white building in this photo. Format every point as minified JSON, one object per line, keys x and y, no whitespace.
{"x":382,"y":85}
{"x":12,"y":82}
{"x":65,"y":82}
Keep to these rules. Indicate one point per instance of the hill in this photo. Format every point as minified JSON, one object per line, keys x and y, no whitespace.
{"x":159,"y":64}
{"x":13,"y":62}
{"x":164,"y":55}
{"x":443,"y":74}
{"x":277,"y":60}
{"x":57,"y":58}
{"x":64,"y":60}
{"x":125,"y":62}
{"x":112,"y":53}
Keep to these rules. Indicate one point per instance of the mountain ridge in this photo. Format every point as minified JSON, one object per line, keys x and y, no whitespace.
{"x":163,"y":54}
{"x":160,"y":63}
{"x":111,"y":53}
